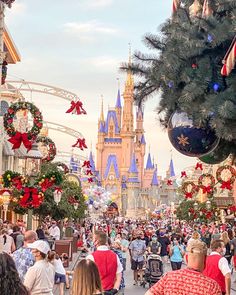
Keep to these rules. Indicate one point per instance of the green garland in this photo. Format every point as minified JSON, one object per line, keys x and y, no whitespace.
{"x":23,"y":105}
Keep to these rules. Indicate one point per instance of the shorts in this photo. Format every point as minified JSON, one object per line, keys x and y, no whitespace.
{"x":136,"y":264}
{"x":59,"y":278}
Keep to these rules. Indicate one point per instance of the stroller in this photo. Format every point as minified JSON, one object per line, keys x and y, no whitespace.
{"x":153,"y":271}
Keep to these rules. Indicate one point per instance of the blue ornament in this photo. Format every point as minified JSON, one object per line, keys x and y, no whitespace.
{"x":90,"y":202}
{"x":190,"y":140}
{"x":216,"y":87}
{"x":209,"y":38}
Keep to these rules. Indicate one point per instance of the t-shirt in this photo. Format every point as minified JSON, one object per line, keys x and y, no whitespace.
{"x":125,"y":244}
{"x":185,"y":282}
{"x":154,"y":246}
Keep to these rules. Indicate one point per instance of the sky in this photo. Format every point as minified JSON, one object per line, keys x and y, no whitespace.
{"x":78,"y":45}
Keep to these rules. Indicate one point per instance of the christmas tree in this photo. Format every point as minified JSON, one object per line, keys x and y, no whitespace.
{"x":185,"y":67}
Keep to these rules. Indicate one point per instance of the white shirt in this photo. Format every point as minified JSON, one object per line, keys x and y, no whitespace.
{"x":39,"y":278}
{"x":59,"y":268}
{"x":55,"y":232}
{"x":105,"y":248}
{"x":8,"y":245}
{"x":223,"y":264}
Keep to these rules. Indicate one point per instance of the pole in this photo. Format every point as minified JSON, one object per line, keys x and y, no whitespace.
{"x":29,"y":219}
{"x":2,"y":57}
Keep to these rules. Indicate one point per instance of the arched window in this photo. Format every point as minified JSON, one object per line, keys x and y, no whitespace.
{"x":3,"y":107}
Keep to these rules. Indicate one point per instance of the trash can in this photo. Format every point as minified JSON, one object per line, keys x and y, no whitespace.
{"x":64,"y":246}
{"x":73,"y":243}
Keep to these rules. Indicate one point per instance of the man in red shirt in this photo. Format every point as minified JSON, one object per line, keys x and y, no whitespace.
{"x":189,"y":281}
{"x":217,"y":266}
{"x":108,"y":263}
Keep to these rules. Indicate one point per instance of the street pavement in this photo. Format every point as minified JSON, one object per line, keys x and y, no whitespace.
{"x":130,"y":288}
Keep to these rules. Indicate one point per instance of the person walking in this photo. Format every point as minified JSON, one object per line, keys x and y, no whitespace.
{"x":86,"y":279}
{"x":108,"y":263}
{"x":6,"y":242}
{"x":176,"y":254}
{"x":124,"y":248}
{"x":137,"y":249}
{"x":10,"y":282}
{"x":39,"y":278}
{"x":154,"y":247}
{"x":190,"y":280}
{"x":217,"y":266}
{"x":60,"y":273}
{"x":23,"y":256}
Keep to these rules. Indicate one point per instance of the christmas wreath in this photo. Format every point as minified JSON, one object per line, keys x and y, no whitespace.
{"x":189,"y":188}
{"x":51,"y":148}
{"x":63,"y":166}
{"x":16,"y":137}
{"x":206,"y":189}
{"x":228,"y":178}
{"x":48,"y":180}
{"x":12,"y":179}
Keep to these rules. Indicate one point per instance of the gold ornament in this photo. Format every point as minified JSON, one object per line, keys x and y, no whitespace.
{"x":195,"y":9}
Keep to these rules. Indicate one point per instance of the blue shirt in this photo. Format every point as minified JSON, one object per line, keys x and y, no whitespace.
{"x":119,"y":254}
{"x":137,"y":248}
{"x":176,"y":254}
{"x":24,"y":259}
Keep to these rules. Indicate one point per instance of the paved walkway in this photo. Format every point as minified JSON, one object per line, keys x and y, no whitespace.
{"x":130,"y":289}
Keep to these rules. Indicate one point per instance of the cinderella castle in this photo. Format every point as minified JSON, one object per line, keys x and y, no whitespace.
{"x":120,"y":166}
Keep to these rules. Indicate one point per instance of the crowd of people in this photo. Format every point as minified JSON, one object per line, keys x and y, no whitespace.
{"x":201,"y":256}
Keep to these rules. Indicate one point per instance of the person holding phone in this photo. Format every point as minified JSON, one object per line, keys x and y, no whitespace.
{"x":176,"y":254}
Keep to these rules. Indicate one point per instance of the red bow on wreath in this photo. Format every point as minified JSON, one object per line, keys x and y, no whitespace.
{"x":58,"y":189}
{"x":20,"y":138}
{"x":188,"y":195}
{"x":31,"y":198}
{"x":76,"y":107}
{"x":81,"y":143}
{"x":89,"y":172}
{"x":90,"y":180}
{"x":87,"y":164}
{"x":198,"y":166}
{"x":226,"y":185}
{"x":46,"y":184}
{"x":207,"y":189}
{"x":209,"y":215}
{"x":183,"y":174}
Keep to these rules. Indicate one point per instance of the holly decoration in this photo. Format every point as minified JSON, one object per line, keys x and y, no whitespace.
{"x":52,"y":151}
{"x":16,"y":137}
{"x":12,"y":179}
{"x":226,"y":176}
{"x":32,"y":197}
{"x":189,"y":188}
{"x":206,"y":182}
{"x":48,"y":180}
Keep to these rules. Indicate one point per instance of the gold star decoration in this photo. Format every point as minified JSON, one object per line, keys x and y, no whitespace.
{"x":183,"y":140}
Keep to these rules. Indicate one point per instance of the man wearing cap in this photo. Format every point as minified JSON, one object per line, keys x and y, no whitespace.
{"x":217,"y":266}
{"x":189,"y":281}
{"x":39,"y":278}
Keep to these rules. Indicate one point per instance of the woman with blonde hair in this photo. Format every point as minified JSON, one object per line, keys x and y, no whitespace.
{"x":86,"y":279}
{"x":226,"y":240}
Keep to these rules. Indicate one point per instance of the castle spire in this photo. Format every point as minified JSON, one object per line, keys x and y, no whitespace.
{"x":118,"y":100}
{"x":171,"y":168}
{"x":133,"y":166}
{"x":149,"y":161}
{"x":102,"y":112}
{"x":155,"y":178}
{"x":129,"y":79}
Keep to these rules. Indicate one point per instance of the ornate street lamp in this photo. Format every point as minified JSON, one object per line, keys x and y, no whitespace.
{"x":208,"y":205}
{"x":76,"y":206}
{"x":57,"y":196}
{"x":32,"y":169}
{"x":195,"y":206}
{"x":6,"y":201}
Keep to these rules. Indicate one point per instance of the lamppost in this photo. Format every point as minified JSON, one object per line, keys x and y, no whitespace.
{"x":208,"y":205}
{"x":32,"y":168}
{"x":76,"y":206}
{"x":6,"y":201}
{"x":57,"y":196}
{"x":195,"y":206}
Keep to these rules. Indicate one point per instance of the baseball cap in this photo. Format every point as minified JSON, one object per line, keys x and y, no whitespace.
{"x":41,"y":246}
{"x":197,"y":247}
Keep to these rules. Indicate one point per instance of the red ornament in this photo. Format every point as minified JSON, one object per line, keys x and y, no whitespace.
{"x":81,"y":143}
{"x":198,"y":166}
{"x":31,"y":198}
{"x":207,"y":189}
{"x":87,"y":164}
{"x":188,"y":195}
{"x":76,"y":107}
{"x":183,"y":174}
{"x":46,"y":184}
{"x":20,"y":138}
{"x":194,"y":66}
{"x":169,"y":182}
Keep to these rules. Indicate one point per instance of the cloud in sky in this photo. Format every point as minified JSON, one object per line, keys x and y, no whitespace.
{"x":97,"y":3}
{"x":90,"y":27}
